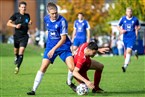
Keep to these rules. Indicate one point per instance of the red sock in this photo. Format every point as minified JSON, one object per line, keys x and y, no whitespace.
{"x":97,"y":78}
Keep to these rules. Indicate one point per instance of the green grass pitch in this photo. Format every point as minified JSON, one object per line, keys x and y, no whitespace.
{"x":114,"y":81}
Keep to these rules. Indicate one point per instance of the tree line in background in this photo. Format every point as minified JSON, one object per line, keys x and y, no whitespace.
{"x":97,"y":15}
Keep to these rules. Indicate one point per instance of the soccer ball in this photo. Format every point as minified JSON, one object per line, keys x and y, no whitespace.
{"x":82,"y":89}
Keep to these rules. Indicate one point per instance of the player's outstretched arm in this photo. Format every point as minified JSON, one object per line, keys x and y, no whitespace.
{"x":103,"y":50}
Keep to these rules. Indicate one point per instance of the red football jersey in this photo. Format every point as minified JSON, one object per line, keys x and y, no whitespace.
{"x":80,"y":60}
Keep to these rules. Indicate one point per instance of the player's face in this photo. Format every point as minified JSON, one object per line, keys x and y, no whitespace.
{"x":22,"y":8}
{"x":129,"y":13}
{"x":80,"y":17}
{"x":53,"y":14}
{"x":92,"y":53}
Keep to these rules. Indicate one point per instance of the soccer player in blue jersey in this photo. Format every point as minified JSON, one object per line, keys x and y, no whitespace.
{"x":128,"y":26}
{"x":58,"y":43}
{"x":81,"y":32}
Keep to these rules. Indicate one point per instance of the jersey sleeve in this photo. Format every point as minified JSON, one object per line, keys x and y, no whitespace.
{"x":87,"y":25}
{"x":29,"y":17}
{"x":63,"y":29}
{"x":13,"y":17}
{"x":45,"y":19}
{"x":75,"y":25}
{"x":120,"y":22}
{"x":137,"y":22}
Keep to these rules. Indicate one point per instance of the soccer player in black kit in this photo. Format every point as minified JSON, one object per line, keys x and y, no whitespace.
{"x":20,"y":22}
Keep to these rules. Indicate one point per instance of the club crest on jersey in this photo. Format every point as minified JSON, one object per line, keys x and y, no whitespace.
{"x":52,"y":33}
{"x":124,"y":21}
{"x":132,"y":22}
{"x":26,"y":20}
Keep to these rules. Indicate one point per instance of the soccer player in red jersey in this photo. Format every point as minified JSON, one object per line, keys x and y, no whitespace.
{"x":83,"y":63}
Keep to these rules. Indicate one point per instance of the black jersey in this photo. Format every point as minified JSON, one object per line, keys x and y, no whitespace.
{"x":23,"y":20}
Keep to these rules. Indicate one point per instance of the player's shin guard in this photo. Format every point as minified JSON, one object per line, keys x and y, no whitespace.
{"x":37,"y":80}
{"x":69,"y":77}
{"x":127,"y":60}
{"x":19,"y":61}
{"x":97,"y":78}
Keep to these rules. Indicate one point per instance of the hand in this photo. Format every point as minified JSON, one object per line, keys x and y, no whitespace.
{"x":123,"y":31}
{"x":50,"y":53}
{"x":30,"y":22}
{"x":18,"y":26}
{"x":103,"y":50}
{"x":90,"y":84}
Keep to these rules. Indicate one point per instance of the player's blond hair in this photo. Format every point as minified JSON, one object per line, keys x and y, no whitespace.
{"x":51,"y":6}
{"x":129,"y":8}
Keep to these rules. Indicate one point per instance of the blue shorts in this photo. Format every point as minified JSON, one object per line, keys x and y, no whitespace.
{"x":77,"y":42}
{"x":63,"y":54}
{"x":129,"y":43}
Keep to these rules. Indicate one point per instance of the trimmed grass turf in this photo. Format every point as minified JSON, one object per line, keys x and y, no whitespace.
{"x":114,"y":81}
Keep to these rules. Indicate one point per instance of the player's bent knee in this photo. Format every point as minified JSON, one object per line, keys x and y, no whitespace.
{"x":101,"y":66}
{"x":71,"y":68}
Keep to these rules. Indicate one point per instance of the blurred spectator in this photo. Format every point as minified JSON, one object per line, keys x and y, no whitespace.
{"x":10,"y":40}
{"x":42,"y":39}
{"x":45,"y":38}
{"x":37,"y":36}
{"x":0,"y":36}
{"x":114,"y":44}
{"x":120,"y":47}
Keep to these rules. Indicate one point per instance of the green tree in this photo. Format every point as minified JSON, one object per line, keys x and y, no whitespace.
{"x":120,"y":8}
{"x":91,"y":8}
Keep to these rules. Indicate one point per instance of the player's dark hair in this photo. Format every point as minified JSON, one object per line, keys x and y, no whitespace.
{"x":51,"y":5}
{"x":92,"y":46}
{"x":22,"y":3}
{"x":81,"y":13}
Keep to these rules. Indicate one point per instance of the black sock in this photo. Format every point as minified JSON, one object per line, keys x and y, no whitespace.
{"x":16,"y":55}
{"x":20,"y":59}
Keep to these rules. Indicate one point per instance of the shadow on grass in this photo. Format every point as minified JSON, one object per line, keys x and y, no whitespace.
{"x":122,"y":93}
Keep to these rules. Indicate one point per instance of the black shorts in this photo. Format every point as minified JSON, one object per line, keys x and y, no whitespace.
{"x":21,"y":42}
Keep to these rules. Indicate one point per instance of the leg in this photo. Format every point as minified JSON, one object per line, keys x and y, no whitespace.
{"x":19,"y":59}
{"x":21,"y":43}
{"x":136,"y":54}
{"x":39,"y":75}
{"x":76,"y":43}
{"x":70,"y":63}
{"x":21,"y":53}
{"x":127,"y":59}
{"x":16,"y":50}
{"x":98,"y":67}
{"x":16,"y":53}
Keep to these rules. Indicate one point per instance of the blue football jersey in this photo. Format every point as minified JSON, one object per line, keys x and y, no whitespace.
{"x":81,"y":28}
{"x":55,"y":30}
{"x":129,"y":26}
